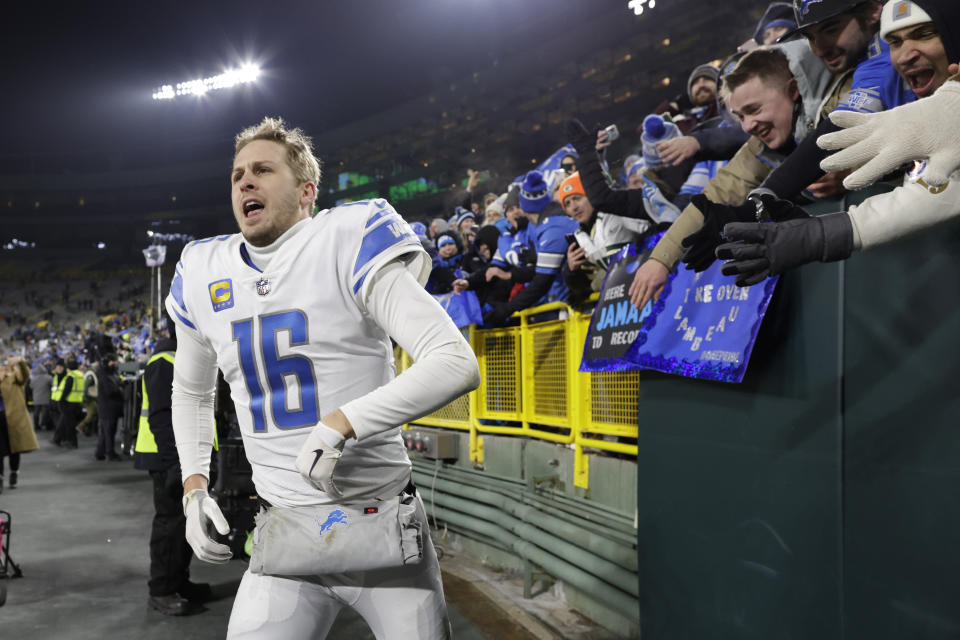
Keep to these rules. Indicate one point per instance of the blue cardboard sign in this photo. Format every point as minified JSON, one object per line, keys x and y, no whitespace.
{"x":703,"y":325}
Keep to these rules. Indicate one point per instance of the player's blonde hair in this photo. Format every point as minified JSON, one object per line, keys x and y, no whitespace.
{"x":299,"y":146}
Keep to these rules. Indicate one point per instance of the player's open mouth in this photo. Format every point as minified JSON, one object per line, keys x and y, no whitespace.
{"x":252,"y":208}
{"x":765,"y":134}
{"x":920,"y":81}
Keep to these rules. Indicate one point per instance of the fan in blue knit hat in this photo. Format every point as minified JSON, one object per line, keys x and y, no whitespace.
{"x":419,"y":228}
{"x":464,"y":214}
{"x":534,"y":194}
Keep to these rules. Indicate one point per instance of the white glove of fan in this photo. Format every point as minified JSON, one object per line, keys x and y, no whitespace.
{"x":201,"y":511}
{"x":877,"y":143}
{"x":319,"y":457}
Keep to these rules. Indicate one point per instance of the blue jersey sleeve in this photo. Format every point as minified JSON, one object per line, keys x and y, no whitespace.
{"x":385,"y":236}
{"x":876,"y":84}
{"x":507,"y":254}
{"x":552,"y":243}
{"x":702,"y":173}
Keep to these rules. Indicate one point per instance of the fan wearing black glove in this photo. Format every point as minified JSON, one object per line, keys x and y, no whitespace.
{"x":766,"y":95}
{"x":762,"y":250}
{"x":702,"y":244}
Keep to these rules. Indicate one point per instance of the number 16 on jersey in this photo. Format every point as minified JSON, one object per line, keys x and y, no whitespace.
{"x":266,"y":363}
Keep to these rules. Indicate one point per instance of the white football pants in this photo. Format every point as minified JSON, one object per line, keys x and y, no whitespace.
{"x":402,"y":603}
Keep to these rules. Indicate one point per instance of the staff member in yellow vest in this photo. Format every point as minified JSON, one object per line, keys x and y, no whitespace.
{"x":171,"y":591}
{"x":70,"y":391}
{"x":56,"y":389}
{"x":88,"y":426}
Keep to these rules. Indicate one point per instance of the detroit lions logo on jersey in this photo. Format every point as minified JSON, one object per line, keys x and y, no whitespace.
{"x":335,"y":517}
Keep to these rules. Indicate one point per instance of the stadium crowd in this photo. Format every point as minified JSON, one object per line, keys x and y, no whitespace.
{"x":738,"y":147}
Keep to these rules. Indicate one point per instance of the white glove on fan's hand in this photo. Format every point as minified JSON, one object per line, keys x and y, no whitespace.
{"x":878,"y":143}
{"x":201,"y":511}
{"x":318,"y":458}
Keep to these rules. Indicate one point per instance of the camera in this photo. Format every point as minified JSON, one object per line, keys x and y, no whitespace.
{"x":612,"y":132}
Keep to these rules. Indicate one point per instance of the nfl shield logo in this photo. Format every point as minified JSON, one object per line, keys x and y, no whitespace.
{"x":263,"y":286}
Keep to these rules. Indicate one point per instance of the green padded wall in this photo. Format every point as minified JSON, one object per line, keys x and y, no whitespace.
{"x":902,"y":439}
{"x":820,"y":498}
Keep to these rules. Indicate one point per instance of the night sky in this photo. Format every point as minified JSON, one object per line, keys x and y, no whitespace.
{"x":78,"y":77}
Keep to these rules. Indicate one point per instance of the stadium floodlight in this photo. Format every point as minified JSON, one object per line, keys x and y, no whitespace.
{"x":246,"y":74}
{"x":637,"y":5}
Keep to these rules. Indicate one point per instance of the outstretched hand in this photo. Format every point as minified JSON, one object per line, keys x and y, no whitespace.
{"x":675,"y":151}
{"x":759,"y":250}
{"x":877,"y":143}
{"x":648,"y":283}
{"x":701,"y":244}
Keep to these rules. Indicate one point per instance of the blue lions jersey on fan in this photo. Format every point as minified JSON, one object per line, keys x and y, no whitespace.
{"x":702,"y":173}
{"x":295,"y":343}
{"x":876,"y":84}
{"x":510,"y":244}
{"x":549,"y":238}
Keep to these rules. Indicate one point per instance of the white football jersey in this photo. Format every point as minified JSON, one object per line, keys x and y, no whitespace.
{"x":295,"y":344}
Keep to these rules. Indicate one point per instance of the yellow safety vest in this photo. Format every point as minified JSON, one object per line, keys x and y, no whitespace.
{"x":146,"y":443}
{"x":76,"y":392}
{"x":56,"y":390}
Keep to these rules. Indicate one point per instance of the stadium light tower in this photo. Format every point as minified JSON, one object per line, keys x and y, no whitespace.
{"x":637,"y":5}
{"x":245,"y":74}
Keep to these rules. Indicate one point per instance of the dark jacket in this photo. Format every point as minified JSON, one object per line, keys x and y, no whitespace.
{"x":475,"y":266}
{"x":109,"y":392}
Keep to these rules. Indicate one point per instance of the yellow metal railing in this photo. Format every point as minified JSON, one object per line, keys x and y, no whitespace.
{"x":530,"y":386}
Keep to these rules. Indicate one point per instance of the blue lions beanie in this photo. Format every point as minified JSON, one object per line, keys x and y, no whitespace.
{"x":534,"y":194}
{"x":419,"y":228}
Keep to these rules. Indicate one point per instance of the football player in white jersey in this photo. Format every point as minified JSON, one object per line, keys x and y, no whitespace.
{"x":298,"y":312}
